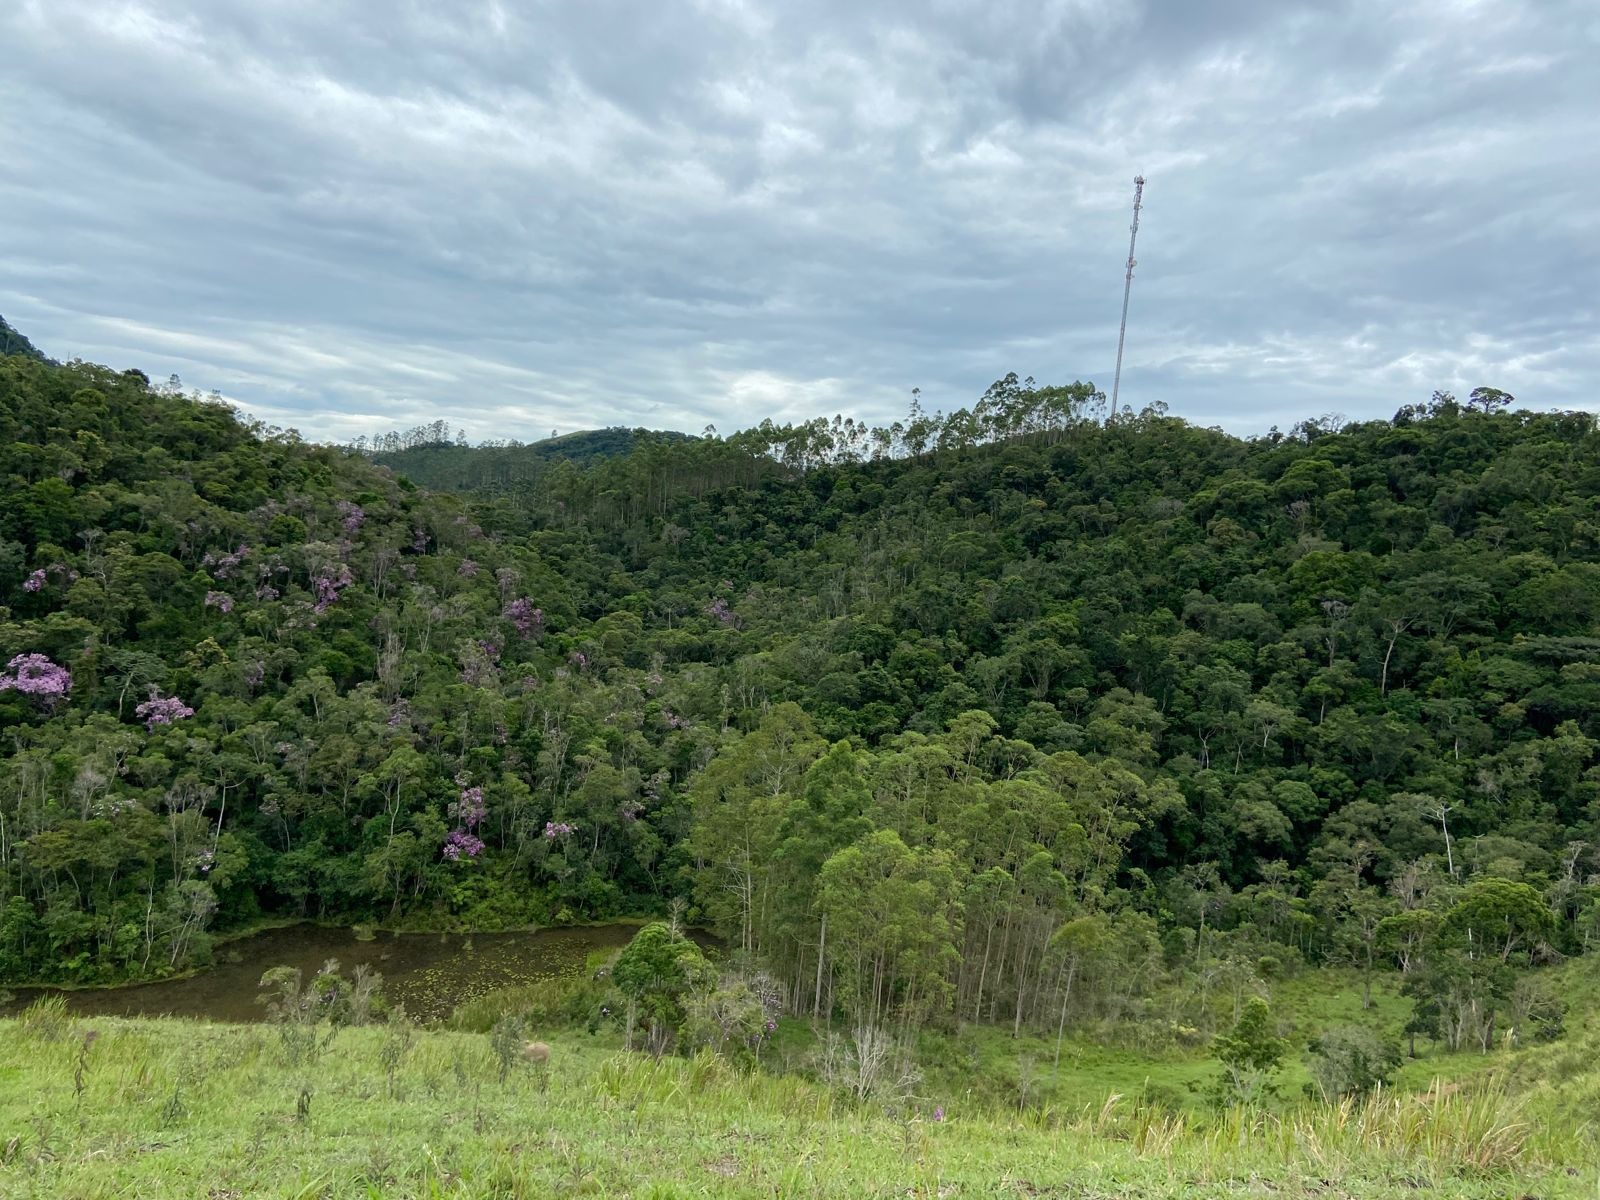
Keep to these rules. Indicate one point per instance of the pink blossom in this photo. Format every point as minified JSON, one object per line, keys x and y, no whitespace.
{"x":556,"y":829}
{"x":34,"y":582}
{"x":220,"y":601}
{"x":468,"y":569}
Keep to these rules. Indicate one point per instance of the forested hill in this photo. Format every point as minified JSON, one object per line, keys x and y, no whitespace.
{"x":12,"y":342}
{"x":426,"y":456}
{"x":1135,"y":695}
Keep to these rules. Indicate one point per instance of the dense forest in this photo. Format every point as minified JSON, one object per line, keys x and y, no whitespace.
{"x":1011,"y":714}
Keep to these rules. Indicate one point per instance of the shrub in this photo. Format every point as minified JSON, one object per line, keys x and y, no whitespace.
{"x":1350,"y":1060}
{"x":557,"y":1002}
{"x":1251,"y":1053}
{"x":47,"y":1019}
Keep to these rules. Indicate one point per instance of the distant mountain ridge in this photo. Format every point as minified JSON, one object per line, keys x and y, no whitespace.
{"x":444,"y":466}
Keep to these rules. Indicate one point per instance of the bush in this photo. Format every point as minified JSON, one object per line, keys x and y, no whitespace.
{"x":47,"y":1019}
{"x":1350,"y":1060}
{"x":735,"y":1018}
{"x":1537,"y":1013}
{"x":1251,"y":1053}
{"x":551,"y":1003}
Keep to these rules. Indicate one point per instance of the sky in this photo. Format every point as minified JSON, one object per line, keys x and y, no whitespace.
{"x":526,"y":216}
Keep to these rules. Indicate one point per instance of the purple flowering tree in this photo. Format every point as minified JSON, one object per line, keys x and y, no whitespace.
{"x":328,"y":583}
{"x":220,"y":601}
{"x":34,"y":582}
{"x":469,"y":809}
{"x":351,"y":516}
{"x":524,"y":617}
{"x":161,"y":710}
{"x":35,"y":675}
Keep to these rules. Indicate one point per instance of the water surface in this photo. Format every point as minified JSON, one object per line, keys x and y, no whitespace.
{"x":430,"y":973}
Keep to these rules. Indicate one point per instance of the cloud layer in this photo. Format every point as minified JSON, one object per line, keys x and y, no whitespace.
{"x":526,"y":216}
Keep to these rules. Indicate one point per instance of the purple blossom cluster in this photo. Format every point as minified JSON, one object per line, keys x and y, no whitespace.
{"x":556,"y":829}
{"x":351,"y":516}
{"x":672,"y":720}
{"x":37,"y":578}
{"x":461,"y":842}
{"x":491,"y":650}
{"x":220,"y":601}
{"x":161,"y":710}
{"x":719,"y":609}
{"x":266,"y":592}
{"x":469,"y":808}
{"x":468,"y":569}
{"x":36,"y":675}
{"x":224,"y":565}
{"x":524,"y":617}
{"x":329,"y":582}
{"x":578,"y":659}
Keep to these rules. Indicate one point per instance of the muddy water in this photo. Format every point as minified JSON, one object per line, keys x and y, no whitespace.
{"x":429,"y":973}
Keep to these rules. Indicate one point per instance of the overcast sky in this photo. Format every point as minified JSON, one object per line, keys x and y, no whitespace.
{"x":518,"y":216}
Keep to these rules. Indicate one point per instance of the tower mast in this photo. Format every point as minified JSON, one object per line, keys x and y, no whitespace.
{"x":1127,"y":288}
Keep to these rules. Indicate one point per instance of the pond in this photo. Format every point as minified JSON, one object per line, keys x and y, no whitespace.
{"x":430,"y":973}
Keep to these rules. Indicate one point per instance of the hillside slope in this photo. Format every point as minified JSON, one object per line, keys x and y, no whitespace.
{"x":1119,"y":711}
{"x":176,"y":1109}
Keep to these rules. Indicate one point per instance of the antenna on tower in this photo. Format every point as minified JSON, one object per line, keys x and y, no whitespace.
{"x":1127,"y":288}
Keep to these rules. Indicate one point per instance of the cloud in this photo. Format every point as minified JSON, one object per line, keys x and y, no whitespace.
{"x":526,"y":217}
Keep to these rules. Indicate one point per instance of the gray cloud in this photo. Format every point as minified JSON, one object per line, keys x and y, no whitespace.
{"x":523,"y":216}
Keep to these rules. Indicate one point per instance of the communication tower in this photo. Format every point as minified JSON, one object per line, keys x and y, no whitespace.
{"x":1127,"y":288}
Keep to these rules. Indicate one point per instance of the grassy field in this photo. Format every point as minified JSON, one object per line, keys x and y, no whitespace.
{"x":157,"y":1109}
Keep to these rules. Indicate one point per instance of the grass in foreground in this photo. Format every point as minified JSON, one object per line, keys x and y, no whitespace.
{"x":158,"y":1109}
